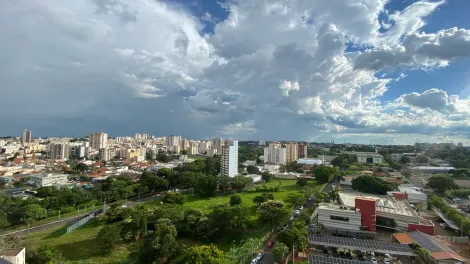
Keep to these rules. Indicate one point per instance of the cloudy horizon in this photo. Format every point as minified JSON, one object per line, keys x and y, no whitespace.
{"x":395,"y":72}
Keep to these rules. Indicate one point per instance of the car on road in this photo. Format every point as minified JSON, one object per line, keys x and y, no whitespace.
{"x":254,"y":261}
{"x":301,"y":208}
{"x":325,"y":252}
{"x":270,"y":243}
{"x":260,"y":256}
{"x":297,"y":212}
{"x":348,"y":255}
{"x":386,"y":261}
{"x":291,"y":218}
{"x":360,"y":257}
{"x":373,"y":260}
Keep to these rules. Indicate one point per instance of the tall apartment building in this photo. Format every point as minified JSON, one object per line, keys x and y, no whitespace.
{"x":302,"y":151}
{"x":173,"y":141}
{"x":59,"y":151}
{"x":26,"y":137}
{"x":229,"y":159}
{"x":98,"y":140}
{"x":184,"y":144}
{"x":274,"y":154}
{"x":292,"y":152}
{"x":217,"y":144}
{"x":204,"y":146}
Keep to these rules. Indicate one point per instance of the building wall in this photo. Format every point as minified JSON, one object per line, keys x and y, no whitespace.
{"x":428,"y":229}
{"x":368,"y":212}
{"x":275,"y":155}
{"x":302,"y":151}
{"x":330,"y":219}
{"x":229,"y":159}
{"x":98,"y":140}
{"x":292,"y":153}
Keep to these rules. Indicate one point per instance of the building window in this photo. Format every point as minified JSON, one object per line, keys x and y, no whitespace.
{"x":339,"y":218}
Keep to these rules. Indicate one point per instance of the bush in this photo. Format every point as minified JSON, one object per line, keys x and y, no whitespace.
{"x":108,"y":237}
{"x":235,"y":200}
{"x":174,"y":198}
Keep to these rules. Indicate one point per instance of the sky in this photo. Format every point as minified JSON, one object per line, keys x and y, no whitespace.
{"x":359,"y":71}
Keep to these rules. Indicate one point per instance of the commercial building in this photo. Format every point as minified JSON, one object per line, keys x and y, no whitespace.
{"x":13,"y":256}
{"x":430,"y":169}
{"x":59,"y":151}
{"x":48,"y":179}
{"x":369,"y":158}
{"x":229,"y":159}
{"x":333,"y":216}
{"x":26,"y":137}
{"x":373,"y":206}
{"x":98,"y":140}
{"x":414,"y":195}
{"x":274,"y":154}
{"x":306,"y":161}
{"x":302,"y":151}
{"x":292,"y":152}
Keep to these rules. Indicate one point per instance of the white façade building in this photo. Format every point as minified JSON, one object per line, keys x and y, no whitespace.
{"x":48,"y":179}
{"x":229,"y":159}
{"x":333,"y":217}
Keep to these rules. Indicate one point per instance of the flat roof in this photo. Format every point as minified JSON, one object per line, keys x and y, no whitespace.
{"x":403,"y":238}
{"x":429,"y":242}
{"x":312,"y":259}
{"x":384,"y":204}
{"x":360,"y":244}
{"x":449,"y":222}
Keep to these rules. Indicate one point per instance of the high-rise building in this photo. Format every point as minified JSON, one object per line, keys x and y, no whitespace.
{"x":302,"y":151}
{"x":173,"y":141}
{"x":26,"y":137}
{"x":217,"y":145}
{"x":229,"y":159}
{"x":59,"y":151}
{"x":261,"y":143}
{"x":292,"y":153}
{"x":98,"y":140}
{"x":274,"y":154}
{"x":460,"y":144}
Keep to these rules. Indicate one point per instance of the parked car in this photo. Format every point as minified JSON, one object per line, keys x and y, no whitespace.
{"x":260,"y":256}
{"x":254,"y":261}
{"x":325,"y":252}
{"x":291,"y":218}
{"x":313,"y":226}
{"x":348,"y":255}
{"x":342,"y":255}
{"x":301,"y":208}
{"x":270,"y":243}
{"x":360,"y":257}
{"x":443,"y":225}
{"x":373,"y":260}
{"x":297,"y":212}
{"x":386,"y":261}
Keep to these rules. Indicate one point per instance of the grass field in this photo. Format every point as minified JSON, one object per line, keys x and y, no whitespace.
{"x":80,"y":246}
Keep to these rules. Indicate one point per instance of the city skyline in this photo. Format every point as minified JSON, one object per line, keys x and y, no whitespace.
{"x":392,"y":71}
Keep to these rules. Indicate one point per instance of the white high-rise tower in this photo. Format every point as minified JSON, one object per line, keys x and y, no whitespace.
{"x":229,"y":159}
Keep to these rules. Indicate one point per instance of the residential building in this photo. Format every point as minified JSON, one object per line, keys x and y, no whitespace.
{"x":204,"y":146}
{"x":217,"y":144}
{"x":59,"y":151}
{"x":98,"y":140}
{"x":173,"y":141}
{"x":274,"y":154}
{"x":48,"y":179}
{"x":211,"y":152}
{"x":229,"y":159}
{"x":261,"y":143}
{"x":104,"y":154}
{"x":302,"y":151}
{"x":78,"y":152}
{"x":185,"y":144}
{"x":460,"y":145}
{"x":26,"y":137}
{"x":192,"y":151}
{"x":13,"y":256}
{"x":292,"y":152}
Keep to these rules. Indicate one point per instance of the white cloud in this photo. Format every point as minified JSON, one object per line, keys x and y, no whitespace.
{"x":269,"y":67}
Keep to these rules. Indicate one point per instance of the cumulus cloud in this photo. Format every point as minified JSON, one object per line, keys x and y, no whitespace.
{"x":268,"y":67}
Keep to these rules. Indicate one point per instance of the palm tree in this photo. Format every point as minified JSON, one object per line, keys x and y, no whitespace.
{"x":333,"y":196}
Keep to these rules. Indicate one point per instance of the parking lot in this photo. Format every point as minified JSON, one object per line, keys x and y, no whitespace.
{"x":367,"y":257}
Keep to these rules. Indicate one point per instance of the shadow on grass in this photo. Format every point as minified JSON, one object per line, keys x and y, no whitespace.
{"x":80,"y":250}
{"x":59,"y":232}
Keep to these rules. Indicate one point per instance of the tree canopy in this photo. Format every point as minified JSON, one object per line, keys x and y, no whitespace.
{"x":441,"y":183}
{"x":372,"y":184}
{"x":273,"y":213}
{"x":323,"y":174}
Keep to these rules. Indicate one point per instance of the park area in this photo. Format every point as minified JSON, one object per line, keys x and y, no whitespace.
{"x":80,"y":246}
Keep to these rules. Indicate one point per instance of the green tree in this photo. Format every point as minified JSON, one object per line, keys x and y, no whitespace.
{"x":108,"y":237}
{"x":162,"y":157}
{"x":441,"y":183}
{"x":224,"y":182}
{"x":206,"y":185}
{"x":229,"y":221}
{"x":279,"y":251}
{"x":135,"y":223}
{"x":3,"y":220}
{"x":297,"y":199}
{"x":205,"y":254}
{"x":150,"y":154}
{"x":31,"y":213}
{"x":174,"y":198}
{"x":301,"y":182}
{"x":421,"y":159}
{"x":44,"y":254}
{"x":296,"y":235}
{"x":321,"y":197}
{"x":371,"y":184}
{"x":341,"y":162}
{"x":235,"y":200}
{"x":405,"y":160}
{"x":164,"y":173}
{"x":267,"y":176}
{"x":259,"y":199}
{"x":252,"y":169}
{"x":323,"y":174}
{"x":273,"y":213}
{"x":239,"y":182}
{"x":156,"y":246}
{"x":153,"y":181}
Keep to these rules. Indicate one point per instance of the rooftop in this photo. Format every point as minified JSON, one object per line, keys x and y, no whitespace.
{"x":383,"y":203}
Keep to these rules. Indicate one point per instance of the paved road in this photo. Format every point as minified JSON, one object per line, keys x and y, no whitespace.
{"x":66,"y":221}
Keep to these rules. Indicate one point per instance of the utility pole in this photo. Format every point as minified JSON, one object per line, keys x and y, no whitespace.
{"x":104,"y":204}
{"x":78,"y":210}
{"x":293,"y":254}
{"x":59,"y":214}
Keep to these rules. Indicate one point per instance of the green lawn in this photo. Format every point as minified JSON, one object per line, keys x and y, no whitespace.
{"x":80,"y":246}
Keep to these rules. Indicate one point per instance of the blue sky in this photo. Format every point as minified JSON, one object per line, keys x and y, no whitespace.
{"x":391,"y":71}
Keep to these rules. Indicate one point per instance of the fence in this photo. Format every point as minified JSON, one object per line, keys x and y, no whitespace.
{"x":452,"y":239}
{"x":84,"y":220}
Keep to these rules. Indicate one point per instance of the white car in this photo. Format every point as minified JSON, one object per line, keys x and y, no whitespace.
{"x":386,"y":261}
{"x":260,"y":256}
{"x":254,"y":261}
{"x":301,"y":208}
{"x":387,"y":257}
{"x":297,"y":212}
{"x":373,"y":260}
